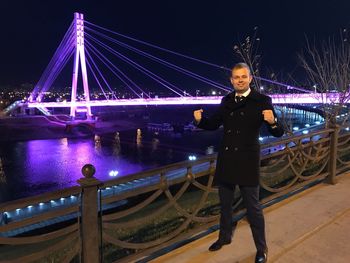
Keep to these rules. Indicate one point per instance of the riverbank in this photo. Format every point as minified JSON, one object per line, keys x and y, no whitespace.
{"x":40,"y":128}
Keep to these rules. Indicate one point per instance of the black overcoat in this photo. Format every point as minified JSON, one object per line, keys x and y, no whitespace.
{"x":238,"y":159}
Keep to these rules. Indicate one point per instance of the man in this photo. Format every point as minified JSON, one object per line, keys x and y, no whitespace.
{"x":242,"y":113}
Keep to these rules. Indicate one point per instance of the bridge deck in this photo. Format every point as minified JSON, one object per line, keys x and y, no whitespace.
{"x":293,"y":98}
{"x":312,"y":226}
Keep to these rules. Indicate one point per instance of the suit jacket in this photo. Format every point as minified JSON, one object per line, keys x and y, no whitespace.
{"x":238,"y":159}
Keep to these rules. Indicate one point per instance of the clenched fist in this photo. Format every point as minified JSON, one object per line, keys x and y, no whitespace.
{"x":197,"y":114}
{"x":268,"y":116}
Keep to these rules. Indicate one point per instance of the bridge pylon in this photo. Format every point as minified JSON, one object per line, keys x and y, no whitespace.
{"x":79,"y":59}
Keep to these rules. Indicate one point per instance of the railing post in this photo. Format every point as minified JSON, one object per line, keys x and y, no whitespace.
{"x":332,"y":165}
{"x":89,"y":215}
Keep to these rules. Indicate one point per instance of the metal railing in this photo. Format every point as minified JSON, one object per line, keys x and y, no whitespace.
{"x":129,"y":218}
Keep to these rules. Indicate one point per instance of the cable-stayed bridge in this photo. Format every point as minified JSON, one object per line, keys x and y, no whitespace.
{"x":100,"y":54}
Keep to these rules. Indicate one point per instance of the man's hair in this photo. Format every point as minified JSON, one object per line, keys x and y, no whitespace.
{"x":240,"y":66}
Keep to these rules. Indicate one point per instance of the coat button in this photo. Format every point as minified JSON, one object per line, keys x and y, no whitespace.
{"x":228,"y":131}
{"x":231,"y":113}
{"x":242,"y":113}
{"x":238,"y":132}
{"x":236,"y":149}
{"x":226,"y":148}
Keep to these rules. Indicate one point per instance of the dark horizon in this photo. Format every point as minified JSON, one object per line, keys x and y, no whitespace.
{"x":32,"y":30}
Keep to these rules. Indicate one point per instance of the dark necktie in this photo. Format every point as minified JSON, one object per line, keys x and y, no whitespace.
{"x":239,"y":98}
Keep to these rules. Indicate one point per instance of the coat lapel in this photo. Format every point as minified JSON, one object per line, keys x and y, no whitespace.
{"x":231,"y":103}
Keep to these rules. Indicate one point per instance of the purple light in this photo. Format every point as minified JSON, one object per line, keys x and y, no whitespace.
{"x":276,"y":99}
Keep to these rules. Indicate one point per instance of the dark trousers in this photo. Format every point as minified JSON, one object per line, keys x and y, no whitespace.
{"x":250,"y":196}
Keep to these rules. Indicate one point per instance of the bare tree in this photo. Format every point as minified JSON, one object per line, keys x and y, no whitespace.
{"x":328,"y":69}
{"x":248,"y":52}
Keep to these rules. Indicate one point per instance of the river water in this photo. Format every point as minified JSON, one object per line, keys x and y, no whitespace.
{"x":32,"y":167}
{"x":38,"y":166}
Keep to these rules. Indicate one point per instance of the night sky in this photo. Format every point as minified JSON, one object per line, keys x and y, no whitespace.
{"x":32,"y":30}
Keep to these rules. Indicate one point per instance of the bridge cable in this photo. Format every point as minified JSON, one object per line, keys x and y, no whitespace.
{"x":103,"y":58}
{"x":152,"y":75}
{"x":166,"y":63}
{"x":88,"y":57}
{"x":191,"y":58}
{"x":61,"y":51}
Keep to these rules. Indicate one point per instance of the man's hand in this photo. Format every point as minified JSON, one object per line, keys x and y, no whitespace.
{"x":197,"y":114}
{"x":268,"y":116}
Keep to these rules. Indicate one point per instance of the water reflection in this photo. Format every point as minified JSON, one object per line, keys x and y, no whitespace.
{"x":116,"y":144}
{"x":45,"y":165}
{"x":209,"y":150}
{"x":98,"y":145}
{"x":2,"y":173}
{"x":38,"y":166}
{"x":155,"y":143}
{"x":138,"y":138}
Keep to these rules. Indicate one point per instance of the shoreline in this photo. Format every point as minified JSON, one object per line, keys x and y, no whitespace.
{"x":37,"y":128}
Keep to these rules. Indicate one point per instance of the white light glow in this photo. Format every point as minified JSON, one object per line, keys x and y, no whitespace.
{"x":113,"y":173}
{"x":192,"y":157}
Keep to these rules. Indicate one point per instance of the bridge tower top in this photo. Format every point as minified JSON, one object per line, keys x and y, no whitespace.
{"x":79,"y":58}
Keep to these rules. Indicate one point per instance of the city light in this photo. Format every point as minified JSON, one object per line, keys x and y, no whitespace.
{"x":192,"y":157}
{"x":113,"y":173}
{"x":295,"y":128}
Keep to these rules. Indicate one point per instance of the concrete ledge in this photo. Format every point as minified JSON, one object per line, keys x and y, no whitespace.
{"x":312,"y":226}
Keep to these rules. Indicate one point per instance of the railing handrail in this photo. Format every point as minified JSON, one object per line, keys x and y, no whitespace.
{"x":23,"y":202}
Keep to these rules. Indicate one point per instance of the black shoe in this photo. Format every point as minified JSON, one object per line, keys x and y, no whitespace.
{"x":261,"y":257}
{"x":218,"y":244}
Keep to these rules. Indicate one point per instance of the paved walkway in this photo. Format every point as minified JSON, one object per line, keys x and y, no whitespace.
{"x":312,"y":226}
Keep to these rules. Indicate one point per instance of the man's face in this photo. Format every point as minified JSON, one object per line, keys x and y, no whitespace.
{"x":241,"y":79}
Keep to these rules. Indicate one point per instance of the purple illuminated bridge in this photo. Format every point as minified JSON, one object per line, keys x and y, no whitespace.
{"x":103,"y":54}
{"x":311,"y":98}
